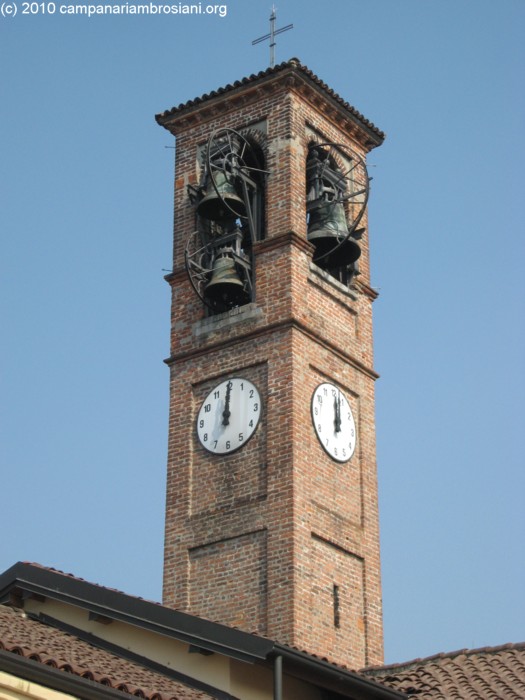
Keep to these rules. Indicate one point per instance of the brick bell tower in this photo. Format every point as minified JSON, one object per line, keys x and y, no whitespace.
{"x":272,"y":508}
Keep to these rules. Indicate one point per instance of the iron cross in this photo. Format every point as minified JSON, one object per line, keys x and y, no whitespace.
{"x":271,"y":36}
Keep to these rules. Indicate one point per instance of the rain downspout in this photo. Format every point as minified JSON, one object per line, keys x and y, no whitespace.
{"x":278,"y":678}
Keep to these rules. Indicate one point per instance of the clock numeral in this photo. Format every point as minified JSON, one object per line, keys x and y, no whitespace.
{"x":316,"y":411}
{"x":255,"y":407}
{"x":207,"y":408}
{"x":228,"y":444}
{"x":251,"y":393}
{"x":251,"y":423}
{"x":319,"y":427}
{"x":215,"y":444}
{"x":320,"y":398}
{"x":201,"y":423}
{"x":241,"y":437}
{"x":205,"y":437}
{"x":216,"y":394}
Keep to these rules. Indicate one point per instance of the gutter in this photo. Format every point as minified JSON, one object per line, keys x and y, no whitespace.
{"x":339,"y":680}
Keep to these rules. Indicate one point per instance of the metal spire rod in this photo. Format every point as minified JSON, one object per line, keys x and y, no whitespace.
{"x":271,"y":36}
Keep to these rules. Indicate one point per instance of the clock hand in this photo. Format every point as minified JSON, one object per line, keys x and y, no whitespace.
{"x":337,"y":408}
{"x":226,"y":413}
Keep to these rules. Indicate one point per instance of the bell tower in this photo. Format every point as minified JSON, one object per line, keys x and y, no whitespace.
{"x":272,"y":509}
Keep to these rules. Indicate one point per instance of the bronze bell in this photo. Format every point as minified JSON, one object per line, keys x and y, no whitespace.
{"x":327,"y":228}
{"x":220,"y":201}
{"x":225,"y":286}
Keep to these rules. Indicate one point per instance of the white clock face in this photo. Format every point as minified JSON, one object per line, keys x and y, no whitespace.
{"x":333,"y":422}
{"x":229,"y":415}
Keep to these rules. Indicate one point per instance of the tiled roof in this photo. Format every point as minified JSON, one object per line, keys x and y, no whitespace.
{"x":491,"y":673}
{"x":292,"y":65}
{"x":31,"y":639}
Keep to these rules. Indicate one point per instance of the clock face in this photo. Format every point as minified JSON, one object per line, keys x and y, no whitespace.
{"x":333,"y":422}
{"x":229,"y":416}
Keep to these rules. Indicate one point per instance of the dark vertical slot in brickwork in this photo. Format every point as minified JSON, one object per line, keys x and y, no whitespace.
{"x":337,"y":612}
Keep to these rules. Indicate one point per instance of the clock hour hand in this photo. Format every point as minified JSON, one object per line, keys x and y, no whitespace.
{"x":226,"y":413}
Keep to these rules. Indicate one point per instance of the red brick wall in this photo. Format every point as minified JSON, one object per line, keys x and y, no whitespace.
{"x":259,"y":538}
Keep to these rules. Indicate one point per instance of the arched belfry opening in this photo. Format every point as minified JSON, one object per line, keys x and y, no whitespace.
{"x":229,"y":218}
{"x":337,"y":187}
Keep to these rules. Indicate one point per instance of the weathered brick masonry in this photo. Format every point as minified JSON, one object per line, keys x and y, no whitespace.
{"x":275,"y":538}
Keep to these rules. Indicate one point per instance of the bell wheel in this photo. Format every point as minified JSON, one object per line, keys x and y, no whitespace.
{"x":198,"y":264}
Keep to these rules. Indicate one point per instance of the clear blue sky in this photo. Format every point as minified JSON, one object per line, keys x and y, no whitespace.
{"x":86,"y":231}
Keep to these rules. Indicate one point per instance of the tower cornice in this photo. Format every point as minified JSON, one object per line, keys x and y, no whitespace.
{"x":292,"y":74}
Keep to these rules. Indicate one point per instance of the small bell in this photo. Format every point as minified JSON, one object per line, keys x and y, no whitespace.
{"x":225,"y":286}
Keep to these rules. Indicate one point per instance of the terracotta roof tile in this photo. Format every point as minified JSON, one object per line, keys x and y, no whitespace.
{"x":30,"y":638}
{"x":491,"y":673}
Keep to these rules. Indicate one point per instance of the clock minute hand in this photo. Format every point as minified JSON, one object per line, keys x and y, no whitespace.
{"x":226,"y":413}
{"x":337,"y":411}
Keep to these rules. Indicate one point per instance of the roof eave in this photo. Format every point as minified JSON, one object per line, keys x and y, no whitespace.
{"x":27,"y":579}
{"x":50,"y":677}
{"x":334,"y":678}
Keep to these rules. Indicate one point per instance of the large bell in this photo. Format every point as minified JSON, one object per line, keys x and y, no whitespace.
{"x":221,"y":201}
{"x":327,"y":228}
{"x":225,"y":286}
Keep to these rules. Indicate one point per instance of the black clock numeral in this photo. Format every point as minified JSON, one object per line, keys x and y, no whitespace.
{"x":251,"y":423}
{"x":319,"y":427}
{"x":215,"y":444}
{"x":227,"y":444}
{"x":320,"y":398}
{"x":205,"y":437}
{"x":207,"y":408}
{"x":201,"y":423}
{"x":241,"y":437}
{"x":251,"y":393}
{"x":255,"y":407}
{"x":216,"y":394}
{"x":316,"y":411}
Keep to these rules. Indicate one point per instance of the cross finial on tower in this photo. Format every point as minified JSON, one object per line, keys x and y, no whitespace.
{"x":271,"y":36}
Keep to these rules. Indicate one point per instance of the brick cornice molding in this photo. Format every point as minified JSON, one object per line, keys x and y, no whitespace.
{"x":291,"y":76}
{"x":287,"y":324}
